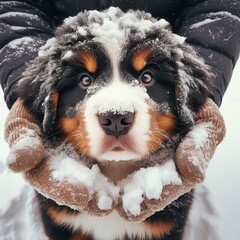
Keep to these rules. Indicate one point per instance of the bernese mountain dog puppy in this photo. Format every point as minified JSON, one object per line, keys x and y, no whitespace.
{"x":117,"y":86}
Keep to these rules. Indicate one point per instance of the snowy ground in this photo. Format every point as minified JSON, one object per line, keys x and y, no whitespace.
{"x":17,"y":205}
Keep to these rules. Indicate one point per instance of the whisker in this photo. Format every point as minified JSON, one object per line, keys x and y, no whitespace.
{"x":155,"y":140}
{"x":54,"y":134}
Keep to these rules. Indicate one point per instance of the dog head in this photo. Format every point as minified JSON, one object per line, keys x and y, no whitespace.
{"x":117,"y":85}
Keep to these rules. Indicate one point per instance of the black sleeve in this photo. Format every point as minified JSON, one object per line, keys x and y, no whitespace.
{"x":24,"y":27}
{"x":213,"y":28}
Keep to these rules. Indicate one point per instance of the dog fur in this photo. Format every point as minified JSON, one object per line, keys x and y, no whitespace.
{"x":89,"y":70}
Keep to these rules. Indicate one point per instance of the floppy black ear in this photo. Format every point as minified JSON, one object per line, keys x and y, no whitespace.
{"x":37,"y":89}
{"x":192,"y":86}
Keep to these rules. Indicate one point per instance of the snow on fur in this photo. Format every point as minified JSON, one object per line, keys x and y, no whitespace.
{"x":114,"y":30}
{"x":148,"y":182}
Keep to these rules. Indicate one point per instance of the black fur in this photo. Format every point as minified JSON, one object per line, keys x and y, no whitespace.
{"x":176,"y":212}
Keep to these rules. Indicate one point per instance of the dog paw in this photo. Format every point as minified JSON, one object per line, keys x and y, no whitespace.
{"x":102,"y":193}
{"x":100,"y":204}
{"x":142,"y":190}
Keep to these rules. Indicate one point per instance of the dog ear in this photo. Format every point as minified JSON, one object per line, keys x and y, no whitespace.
{"x":37,"y":90}
{"x":50,"y":113}
{"x":192,"y":86}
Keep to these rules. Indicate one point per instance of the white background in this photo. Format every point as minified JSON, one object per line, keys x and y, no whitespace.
{"x":223,"y":176}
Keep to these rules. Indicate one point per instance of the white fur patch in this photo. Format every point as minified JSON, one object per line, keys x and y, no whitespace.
{"x":108,"y":227}
{"x":147,"y":182}
{"x":118,"y":97}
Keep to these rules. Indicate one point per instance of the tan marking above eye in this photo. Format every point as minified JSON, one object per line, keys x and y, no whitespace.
{"x":88,"y":60}
{"x":140,"y":58}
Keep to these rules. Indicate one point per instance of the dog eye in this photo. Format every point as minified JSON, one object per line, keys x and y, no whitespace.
{"x":147,"y":78}
{"x":85,"y":81}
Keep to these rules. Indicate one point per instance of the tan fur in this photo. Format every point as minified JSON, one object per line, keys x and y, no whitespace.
{"x":74,"y":128}
{"x":58,"y":215}
{"x":55,"y":96}
{"x":159,"y":229}
{"x":118,"y":170}
{"x":140,"y":59}
{"x":161,"y":126}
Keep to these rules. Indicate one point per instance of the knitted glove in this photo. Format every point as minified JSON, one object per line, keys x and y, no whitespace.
{"x":41,"y":179}
{"x":192,"y":157}
{"x":23,"y":134}
{"x":28,"y":155}
{"x":64,"y":192}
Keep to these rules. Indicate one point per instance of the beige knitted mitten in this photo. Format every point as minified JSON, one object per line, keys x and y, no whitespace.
{"x":27,"y":155}
{"x":192,"y":157}
{"x":64,"y":192}
{"x":23,"y":134}
{"x":197,"y":148}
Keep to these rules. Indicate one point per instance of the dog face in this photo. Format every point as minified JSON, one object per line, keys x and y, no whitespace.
{"x":114,"y":108}
{"x":118,"y":86}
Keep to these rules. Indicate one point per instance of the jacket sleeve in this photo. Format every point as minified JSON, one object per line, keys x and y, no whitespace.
{"x":213,"y":28}
{"x":24,"y":27}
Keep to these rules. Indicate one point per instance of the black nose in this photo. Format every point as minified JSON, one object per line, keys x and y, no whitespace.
{"x":116,"y":124}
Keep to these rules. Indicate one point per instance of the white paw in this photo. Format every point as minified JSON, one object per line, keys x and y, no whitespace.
{"x":147,"y":182}
{"x":106,"y":191}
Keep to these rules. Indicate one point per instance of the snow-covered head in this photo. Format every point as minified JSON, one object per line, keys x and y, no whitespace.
{"x":118,"y":85}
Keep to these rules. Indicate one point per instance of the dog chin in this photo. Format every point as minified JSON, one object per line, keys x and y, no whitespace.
{"x":119,"y":156}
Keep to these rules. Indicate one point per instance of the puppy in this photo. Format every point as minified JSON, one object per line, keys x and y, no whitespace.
{"x":121,"y":88}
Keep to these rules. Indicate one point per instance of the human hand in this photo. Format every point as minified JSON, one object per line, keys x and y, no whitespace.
{"x":69,"y":182}
{"x":28,"y":155}
{"x":192,"y":157}
{"x":23,"y":134}
{"x":198,"y":146}
{"x":142,"y":190}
